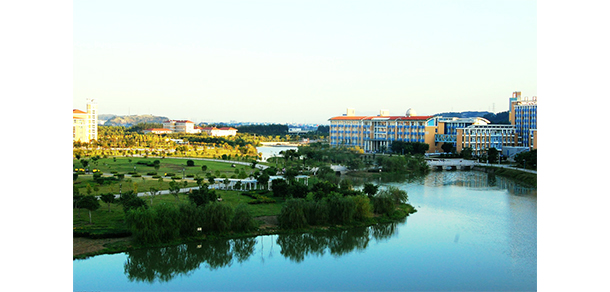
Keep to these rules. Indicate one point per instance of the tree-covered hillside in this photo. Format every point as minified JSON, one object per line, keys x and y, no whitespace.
{"x":134,"y":120}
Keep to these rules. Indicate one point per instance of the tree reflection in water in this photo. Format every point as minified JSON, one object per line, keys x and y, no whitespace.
{"x":163,"y":264}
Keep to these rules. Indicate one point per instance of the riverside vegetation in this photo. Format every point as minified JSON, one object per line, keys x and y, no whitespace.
{"x":326,"y":202}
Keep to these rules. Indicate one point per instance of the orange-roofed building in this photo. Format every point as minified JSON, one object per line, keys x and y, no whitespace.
{"x":376,"y":133}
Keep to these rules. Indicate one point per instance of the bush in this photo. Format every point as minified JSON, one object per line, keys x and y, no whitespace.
{"x":292,"y":215}
{"x":242,"y":220}
{"x":191,"y":218}
{"x":382,"y":204}
{"x":141,"y":222}
{"x":167,"y":218}
{"x":317,"y":213}
{"x":217,"y":217}
{"x":363,"y":208}
{"x":342,"y":209}
{"x":190,"y":163}
{"x":151,"y":173}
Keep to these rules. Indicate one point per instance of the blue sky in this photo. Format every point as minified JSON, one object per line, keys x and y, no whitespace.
{"x":301,"y":61}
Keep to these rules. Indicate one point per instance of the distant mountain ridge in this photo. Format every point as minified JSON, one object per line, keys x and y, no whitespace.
{"x":468,"y":114}
{"x":131,"y":120}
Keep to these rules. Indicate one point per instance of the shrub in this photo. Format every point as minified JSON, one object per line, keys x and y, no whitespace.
{"x":167,"y":218}
{"x":242,"y":220}
{"x":292,"y":215}
{"x":151,"y":173}
{"x":363,"y":208}
{"x":217,"y":217}
{"x":141,"y":222}
{"x":342,"y":209}
{"x":317,"y":213}
{"x":382,"y":204}
{"x":191,"y":218}
{"x":190,"y":163}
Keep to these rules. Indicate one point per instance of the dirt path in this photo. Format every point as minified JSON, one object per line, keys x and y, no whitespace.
{"x":81,"y":245}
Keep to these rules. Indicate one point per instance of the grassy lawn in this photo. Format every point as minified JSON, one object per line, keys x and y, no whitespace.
{"x":123,"y":165}
{"x":103,"y":219}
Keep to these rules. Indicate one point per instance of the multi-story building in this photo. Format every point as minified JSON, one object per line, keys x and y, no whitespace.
{"x":84,"y":124}
{"x":179,"y":126}
{"x":480,"y":138}
{"x":447,"y":129}
{"x":522,"y":115}
{"x":376,"y":133}
{"x":220,"y":132}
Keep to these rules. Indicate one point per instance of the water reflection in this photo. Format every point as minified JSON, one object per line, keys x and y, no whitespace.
{"x":476,"y":180}
{"x":164,"y":264}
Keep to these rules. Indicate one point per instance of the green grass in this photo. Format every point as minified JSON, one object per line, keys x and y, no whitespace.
{"x":102,"y":220}
{"x":122,"y":165}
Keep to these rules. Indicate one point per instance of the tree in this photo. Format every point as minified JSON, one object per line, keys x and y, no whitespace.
{"x":174,"y":189}
{"x":447,"y":147}
{"x":131,"y":201}
{"x":492,"y":155}
{"x":279,"y":188}
{"x":263,"y":179}
{"x":108,"y":199}
{"x":153,"y":192}
{"x":466,"y":153}
{"x":370,"y":189}
{"x":90,"y":203}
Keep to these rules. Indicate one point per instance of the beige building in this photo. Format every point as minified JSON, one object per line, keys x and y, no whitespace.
{"x":219,"y":132}
{"x":180,"y":126}
{"x":480,"y":138}
{"x":84,"y":123}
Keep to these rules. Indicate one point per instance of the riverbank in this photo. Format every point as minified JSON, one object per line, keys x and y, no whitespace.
{"x":527,"y":178}
{"x":86,"y":247}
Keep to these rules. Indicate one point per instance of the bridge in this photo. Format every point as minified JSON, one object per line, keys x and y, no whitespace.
{"x":451,"y":164}
{"x":463,"y":164}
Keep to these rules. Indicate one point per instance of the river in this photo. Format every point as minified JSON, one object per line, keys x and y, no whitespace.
{"x":472,"y":232}
{"x":271,"y":151}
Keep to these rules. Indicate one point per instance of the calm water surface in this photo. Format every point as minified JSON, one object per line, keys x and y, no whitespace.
{"x":472,"y":232}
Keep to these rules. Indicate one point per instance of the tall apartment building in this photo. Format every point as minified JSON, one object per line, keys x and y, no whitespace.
{"x":376,"y":133}
{"x":84,"y":124}
{"x":523,"y":115}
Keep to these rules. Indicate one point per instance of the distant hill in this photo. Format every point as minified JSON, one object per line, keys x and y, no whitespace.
{"x":469,"y":114}
{"x":499,"y":118}
{"x":128,"y":121}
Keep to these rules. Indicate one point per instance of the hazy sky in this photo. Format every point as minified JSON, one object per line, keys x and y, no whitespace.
{"x":301,"y":61}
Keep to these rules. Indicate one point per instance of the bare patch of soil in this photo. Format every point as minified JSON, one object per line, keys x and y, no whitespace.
{"x":81,"y":245}
{"x":268,"y":222}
